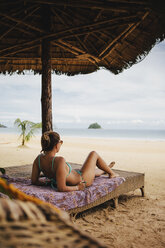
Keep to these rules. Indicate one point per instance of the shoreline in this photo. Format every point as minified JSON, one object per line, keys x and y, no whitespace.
{"x":112,"y":134}
{"x":95,"y":138}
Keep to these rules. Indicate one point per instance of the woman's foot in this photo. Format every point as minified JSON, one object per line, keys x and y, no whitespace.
{"x":111,"y":164}
{"x":112,"y":175}
{"x":99,"y":172}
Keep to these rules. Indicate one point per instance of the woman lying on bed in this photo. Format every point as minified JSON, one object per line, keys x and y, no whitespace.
{"x":60,"y":173}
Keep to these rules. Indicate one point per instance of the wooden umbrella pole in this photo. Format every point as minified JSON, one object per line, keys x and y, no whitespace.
{"x":46,"y":98}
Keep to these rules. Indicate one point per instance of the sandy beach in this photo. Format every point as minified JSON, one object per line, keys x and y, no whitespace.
{"x":138,"y":222}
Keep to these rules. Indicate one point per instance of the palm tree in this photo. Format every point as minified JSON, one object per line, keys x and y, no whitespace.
{"x":27,"y":129}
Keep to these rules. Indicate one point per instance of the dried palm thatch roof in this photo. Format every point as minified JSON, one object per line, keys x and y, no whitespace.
{"x":85,"y":34}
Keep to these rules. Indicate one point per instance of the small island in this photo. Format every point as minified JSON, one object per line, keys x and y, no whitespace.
{"x":2,"y":126}
{"x":94,"y":126}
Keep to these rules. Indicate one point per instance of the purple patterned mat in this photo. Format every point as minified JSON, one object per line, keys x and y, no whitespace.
{"x":68,"y":200}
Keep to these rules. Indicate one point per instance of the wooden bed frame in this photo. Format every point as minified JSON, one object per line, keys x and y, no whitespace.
{"x":133,"y":181}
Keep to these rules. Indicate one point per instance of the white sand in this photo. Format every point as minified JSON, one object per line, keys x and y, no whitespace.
{"x":138,"y":222}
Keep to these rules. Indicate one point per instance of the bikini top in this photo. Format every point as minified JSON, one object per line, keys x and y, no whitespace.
{"x":53,"y":180}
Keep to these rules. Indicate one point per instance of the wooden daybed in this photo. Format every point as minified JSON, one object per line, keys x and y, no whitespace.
{"x":132,"y":181}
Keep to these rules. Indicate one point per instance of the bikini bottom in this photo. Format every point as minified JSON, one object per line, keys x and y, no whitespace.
{"x":80,"y":173}
{"x":53,"y":182}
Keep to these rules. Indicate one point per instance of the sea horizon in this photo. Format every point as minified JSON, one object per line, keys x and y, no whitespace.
{"x":132,"y":134}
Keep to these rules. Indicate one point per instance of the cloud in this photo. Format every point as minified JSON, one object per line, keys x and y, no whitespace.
{"x":134,"y":98}
{"x":137,"y":121}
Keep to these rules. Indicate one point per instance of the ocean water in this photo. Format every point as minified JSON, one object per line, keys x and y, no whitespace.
{"x":102,"y":133}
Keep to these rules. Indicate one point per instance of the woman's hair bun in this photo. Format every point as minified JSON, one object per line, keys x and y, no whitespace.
{"x":46,"y":136}
{"x":48,"y":140}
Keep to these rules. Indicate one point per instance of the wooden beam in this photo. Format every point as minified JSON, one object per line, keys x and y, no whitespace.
{"x":18,"y":22}
{"x":104,"y":5}
{"x":98,"y":26}
{"x":17,"y":28}
{"x":82,"y":44}
{"x":81,"y":55}
{"x":37,"y":58}
{"x":104,"y":51}
{"x":97,"y":29}
{"x":125,"y":19}
{"x":85,"y":56}
{"x":96,"y":18}
{"x":46,"y":97}
{"x":65,"y":48}
{"x":90,"y":44}
{"x":66,"y":13}
{"x":108,"y":35}
{"x":19,"y":47}
{"x":72,"y":47}
{"x":19,"y":11}
{"x":121,"y":36}
{"x":12,"y":11}
{"x":81,"y":52}
{"x":98,"y":36}
{"x":111,"y":21}
{"x":130,"y":43}
{"x":64,"y":22}
{"x":21,"y":50}
{"x":113,"y":41}
{"x":142,"y":191}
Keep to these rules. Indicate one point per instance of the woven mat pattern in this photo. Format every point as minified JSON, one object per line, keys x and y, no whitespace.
{"x":25,"y":224}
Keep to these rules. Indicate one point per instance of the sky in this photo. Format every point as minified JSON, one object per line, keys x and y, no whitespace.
{"x":133,"y":99}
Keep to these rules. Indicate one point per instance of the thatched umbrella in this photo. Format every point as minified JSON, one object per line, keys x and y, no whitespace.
{"x":76,"y":36}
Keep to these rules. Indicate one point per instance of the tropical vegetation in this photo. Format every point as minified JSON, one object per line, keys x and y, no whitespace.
{"x":27,"y":129}
{"x":94,"y":126}
{"x":2,"y":125}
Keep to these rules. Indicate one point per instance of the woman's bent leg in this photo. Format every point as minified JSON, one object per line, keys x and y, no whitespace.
{"x":99,"y":172}
{"x":88,"y":168}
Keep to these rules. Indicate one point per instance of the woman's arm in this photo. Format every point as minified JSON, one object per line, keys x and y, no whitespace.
{"x":35,"y":174}
{"x":61,"y":178}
